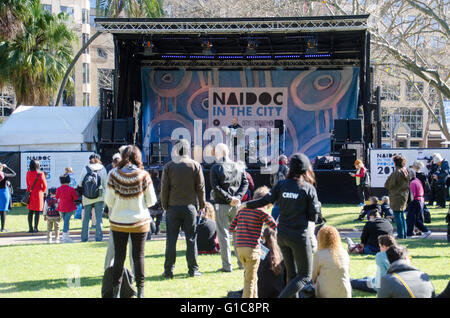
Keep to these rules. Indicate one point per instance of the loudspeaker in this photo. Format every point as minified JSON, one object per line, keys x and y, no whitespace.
{"x":106,"y":133}
{"x":336,"y":147}
{"x":355,"y":130}
{"x":340,"y":129}
{"x":324,"y":162}
{"x":120,"y":129}
{"x":156,"y":149}
{"x":280,"y":125}
{"x":348,"y":157}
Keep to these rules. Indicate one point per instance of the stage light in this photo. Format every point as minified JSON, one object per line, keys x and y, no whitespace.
{"x":288,"y":56}
{"x":309,"y":56}
{"x":173,"y":56}
{"x":230,"y":57}
{"x":312,"y":45}
{"x":201,"y":57}
{"x":259,"y":57}
{"x":251,"y":47}
{"x":148,"y":48}
{"x":207,"y":48}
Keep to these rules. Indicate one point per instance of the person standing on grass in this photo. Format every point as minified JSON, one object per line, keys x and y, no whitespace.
{"x":37,"y":185}
{"x":331,"y":265}
{"x":66,"y":196}
{"x":129,"y":194}
{"x":229,"y":184}
{"x":51,"y":215}
{"x":440,"y":177}
{"x":182,"y":195}
{"x":93,"y":184}
{"x":362,"y":181}
{"x":248,"y":226}
{"x":299,"y":205}
{"x":5,"y":194}
{"x":397,"y":185}
{"x":414,"y":215}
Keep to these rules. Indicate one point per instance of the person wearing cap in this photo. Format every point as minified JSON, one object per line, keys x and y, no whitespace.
{"x":440,"y":177}
{"x":299,"y":205}
{"x":362,"y":181}
{"x":95,"y":166}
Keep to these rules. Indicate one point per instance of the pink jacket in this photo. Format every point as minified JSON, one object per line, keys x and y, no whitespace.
{"x":417,"y":189}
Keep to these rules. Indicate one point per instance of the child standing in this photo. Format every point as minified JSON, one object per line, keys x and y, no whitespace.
{"x":66,"y":196}
{"x":51,"y":215}
{"x":248,"y":226}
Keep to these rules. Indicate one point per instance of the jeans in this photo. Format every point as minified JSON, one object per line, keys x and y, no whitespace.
{"x":297,"y":255}
{"x":224,"y":216}
{"x":399,"y":217}
{"x":275,"y":211}
{"x":414,"y":217}
{"x":363,"y":193}
{"x":120,"y":252}
{"x":98,"y":206}
{"x":66,"y":219}
{"x":184,"y":217}
{"x":250,"y":258}
{"x":362,"y":284}
{"x":370,"y":249}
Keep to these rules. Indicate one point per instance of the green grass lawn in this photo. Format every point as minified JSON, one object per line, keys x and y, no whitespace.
{"x":340,"y":216}
{"x":48,"y":270}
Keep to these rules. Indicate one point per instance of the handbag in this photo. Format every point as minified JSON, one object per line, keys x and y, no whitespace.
{"x":26,"y":196}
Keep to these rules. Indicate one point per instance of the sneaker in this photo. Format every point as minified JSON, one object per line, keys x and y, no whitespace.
{"x":224,"y":270}
{"x":167,"y":275}
{"x":349,"y":241}
{"x":195,"y":274}
{"x":57,"y":241}
{"x":426,"y":234}
{"x":49,"y":240}
{"x":410,"y":237}
{"x":361,"y":204}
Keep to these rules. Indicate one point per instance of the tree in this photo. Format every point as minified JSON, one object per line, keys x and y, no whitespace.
{"x":11,"y":12}
{"x":35,"y":60}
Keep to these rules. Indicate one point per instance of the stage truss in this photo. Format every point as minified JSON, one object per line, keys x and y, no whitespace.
{"x":232,"y":25}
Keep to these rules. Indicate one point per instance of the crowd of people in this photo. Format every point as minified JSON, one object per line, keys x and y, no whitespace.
{"x":279,"y":235}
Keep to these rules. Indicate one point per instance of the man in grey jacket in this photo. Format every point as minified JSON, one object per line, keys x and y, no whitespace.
{"x":229,"y":184}
{"x":403,"y":280}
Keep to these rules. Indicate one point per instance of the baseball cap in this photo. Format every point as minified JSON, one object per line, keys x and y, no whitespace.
{"x":94,"y":155}
{"x":299,"y":163}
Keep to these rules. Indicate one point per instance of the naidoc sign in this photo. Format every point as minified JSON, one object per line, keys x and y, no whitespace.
{"x":252,"y":107}
{"x":53,"y":164}
{"x":308,"y":102}
{"x":382,"y":165}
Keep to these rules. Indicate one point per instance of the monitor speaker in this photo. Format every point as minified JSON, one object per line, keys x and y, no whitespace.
{"x":340,"y":129}
{"x":355,"y":130}
{"x":106,"y":130}
{"x":120,"y":129}
{"x":280,"y":125}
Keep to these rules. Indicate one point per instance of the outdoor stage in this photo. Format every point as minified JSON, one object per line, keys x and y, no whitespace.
{"x":298,"y":74}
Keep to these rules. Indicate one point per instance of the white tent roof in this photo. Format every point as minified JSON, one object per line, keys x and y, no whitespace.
{"x":49,"y":128}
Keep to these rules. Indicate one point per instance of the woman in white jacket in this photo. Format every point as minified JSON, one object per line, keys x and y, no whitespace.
{"x":129,"y":194}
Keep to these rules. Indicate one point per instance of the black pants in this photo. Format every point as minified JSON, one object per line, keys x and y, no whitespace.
{"x":184,"y":217}
{"x":157,"y":218}
{"x":414,"y":217}
{"x":120,"y":252}
{"x":441,"y":194}
{"x":36,"y":219}
{"x":2,"y":218}
{"x":363,"y":193}
{"x":297,"y":256}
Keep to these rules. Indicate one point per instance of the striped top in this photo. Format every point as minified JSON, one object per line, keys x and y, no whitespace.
{"x":249,"y":224}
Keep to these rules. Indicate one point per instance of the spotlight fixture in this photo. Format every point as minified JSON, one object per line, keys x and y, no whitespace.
{"x":311,"y":45}
{"x":251,"y":47}
{"x":207,"y":48}
{"x":148,"y":48}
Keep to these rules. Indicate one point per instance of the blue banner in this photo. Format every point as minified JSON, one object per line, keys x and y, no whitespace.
{"x":175,"y":98}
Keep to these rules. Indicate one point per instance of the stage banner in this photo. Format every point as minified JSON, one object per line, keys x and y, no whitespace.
{"x":53,"y":164}
{"x":306,"y":101}
{"x":382,"y":165}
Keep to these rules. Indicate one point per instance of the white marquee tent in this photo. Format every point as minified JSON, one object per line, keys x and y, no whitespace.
{"x":34,"y":128}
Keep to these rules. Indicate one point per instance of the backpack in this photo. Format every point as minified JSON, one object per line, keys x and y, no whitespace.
{"x":91,"y":184}
{"x":51,"y":208}
{"x":366,"y":179}
{"x":126,"y":290}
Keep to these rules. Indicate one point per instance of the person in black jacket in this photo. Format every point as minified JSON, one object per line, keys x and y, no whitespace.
{"x":229,"y":184}
{"x":299,"y":205}
{"x":206,"y":232}
{"x":369,"y":237}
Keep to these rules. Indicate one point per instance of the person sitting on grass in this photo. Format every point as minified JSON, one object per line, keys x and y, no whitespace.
{"x":368,"y":207}
{"x":331,"y":265}
{"x":386,"y":211}
{"x":372,"y":284}
{"x":207,"y":242}
{"x":403,"y":280}
{"x":369,"y":237}
{"x":248,"y":225}
{"x":66,"y":196}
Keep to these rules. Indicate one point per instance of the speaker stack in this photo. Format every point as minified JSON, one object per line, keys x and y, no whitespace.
{"x":348,"y":130}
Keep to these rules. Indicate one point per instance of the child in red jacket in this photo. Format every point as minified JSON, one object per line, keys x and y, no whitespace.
{"x":66,"y":196}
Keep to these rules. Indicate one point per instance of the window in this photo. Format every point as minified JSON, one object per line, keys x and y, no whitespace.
{"x":68,"y":10}
{"x":86,"y":99}
{"x":85,"y":73}
{"x":415,"y":144}
{"x":385,"y":123}
{"x":47,"y":7}
{"x":390,"y":91}
{"x":84,"y":40}
{"x":434,"y":42}
{"x":84,"y":16}
{"x":413,"y":117}
{"x":102,"y":53}
{"x":91,"y":20}
{"x":411,"y":91}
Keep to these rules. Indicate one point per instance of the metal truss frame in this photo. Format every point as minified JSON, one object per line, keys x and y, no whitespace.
{"x":222,"y":26}
{"x":251,"y":64}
